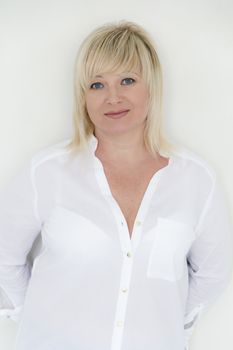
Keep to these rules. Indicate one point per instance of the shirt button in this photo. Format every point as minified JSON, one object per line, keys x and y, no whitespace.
{"x":122,"y":223}
{"x":138,"y":223}
{"x":119,"y":323}
{"x":129,"y":254}
{"x":124,"y":290}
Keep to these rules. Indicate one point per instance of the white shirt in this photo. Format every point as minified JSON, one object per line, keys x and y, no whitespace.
{"x":91,"y":287}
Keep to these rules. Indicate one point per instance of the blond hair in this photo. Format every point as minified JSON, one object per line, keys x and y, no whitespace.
{"x":122,"y":46}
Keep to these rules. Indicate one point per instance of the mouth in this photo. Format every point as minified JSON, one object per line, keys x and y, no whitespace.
{"x":119,"y":114}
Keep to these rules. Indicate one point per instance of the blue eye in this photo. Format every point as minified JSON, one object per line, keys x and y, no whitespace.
{"x":129,"y":79}
{"x":98,"y":85}
{"x":92,"y":85}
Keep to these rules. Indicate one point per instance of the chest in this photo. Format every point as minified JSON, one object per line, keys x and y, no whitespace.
{"x":128,"y":188}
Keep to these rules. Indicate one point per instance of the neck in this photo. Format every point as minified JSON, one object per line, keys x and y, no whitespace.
{"x":121,"y":149}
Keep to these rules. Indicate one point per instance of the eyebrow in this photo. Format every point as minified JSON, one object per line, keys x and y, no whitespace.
{"x":123,"y":73}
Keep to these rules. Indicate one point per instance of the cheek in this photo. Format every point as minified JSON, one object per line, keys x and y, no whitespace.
{"x":92,"y":103}
{"x":142,"y":100}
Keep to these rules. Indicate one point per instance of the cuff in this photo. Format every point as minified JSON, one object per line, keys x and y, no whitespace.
{"x":190,"y":322}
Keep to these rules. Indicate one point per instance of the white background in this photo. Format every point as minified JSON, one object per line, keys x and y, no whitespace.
{"x":38,"y":43}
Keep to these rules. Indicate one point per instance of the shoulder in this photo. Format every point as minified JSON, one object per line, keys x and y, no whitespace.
{"x":53,"y":154}
{"x":195,"y":165}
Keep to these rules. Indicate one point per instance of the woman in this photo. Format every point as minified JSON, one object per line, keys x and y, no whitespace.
{"x":135,"y":233}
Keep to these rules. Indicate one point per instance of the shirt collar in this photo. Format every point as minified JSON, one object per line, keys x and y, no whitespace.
{"x":92,"y":143}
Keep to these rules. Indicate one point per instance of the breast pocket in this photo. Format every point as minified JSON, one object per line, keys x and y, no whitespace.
{"x":171,"y":243}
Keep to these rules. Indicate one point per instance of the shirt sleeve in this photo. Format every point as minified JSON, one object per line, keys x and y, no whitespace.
{"x":210,"y":259}
{"x":19,"y":226}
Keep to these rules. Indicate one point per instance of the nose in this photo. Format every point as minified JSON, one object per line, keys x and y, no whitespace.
{"x":113,"y":95}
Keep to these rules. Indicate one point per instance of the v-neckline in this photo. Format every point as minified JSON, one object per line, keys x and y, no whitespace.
{"x":126,"y":238}
{"x":106,"y":191}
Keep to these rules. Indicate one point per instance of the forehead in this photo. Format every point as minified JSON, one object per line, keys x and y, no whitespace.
{"x":100,"y":67}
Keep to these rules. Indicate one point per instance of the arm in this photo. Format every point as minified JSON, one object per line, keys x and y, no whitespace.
{"x":19,"y":226}
{"x":210,"y":259}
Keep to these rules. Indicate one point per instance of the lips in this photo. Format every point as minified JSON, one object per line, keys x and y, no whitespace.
{"x":112,"y":113}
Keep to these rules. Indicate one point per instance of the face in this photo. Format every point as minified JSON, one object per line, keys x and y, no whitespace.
{"x":117,"y":103}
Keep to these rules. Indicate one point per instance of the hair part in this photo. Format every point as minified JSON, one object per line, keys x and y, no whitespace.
{"x":118,"y":47}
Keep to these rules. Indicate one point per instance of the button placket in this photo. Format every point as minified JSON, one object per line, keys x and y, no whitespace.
{"x":128,"y":246}
{"x":122,"y":299}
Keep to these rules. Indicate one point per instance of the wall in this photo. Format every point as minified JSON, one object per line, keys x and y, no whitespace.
{"x":38,"y":43}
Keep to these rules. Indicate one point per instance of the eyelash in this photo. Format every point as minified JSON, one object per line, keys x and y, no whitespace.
{"x":133,"y":80}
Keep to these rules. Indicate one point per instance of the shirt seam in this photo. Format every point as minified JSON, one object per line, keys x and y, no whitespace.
{"x":187,"y":154}
{"x":34,"y":166}
{"x":206,"y":206}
